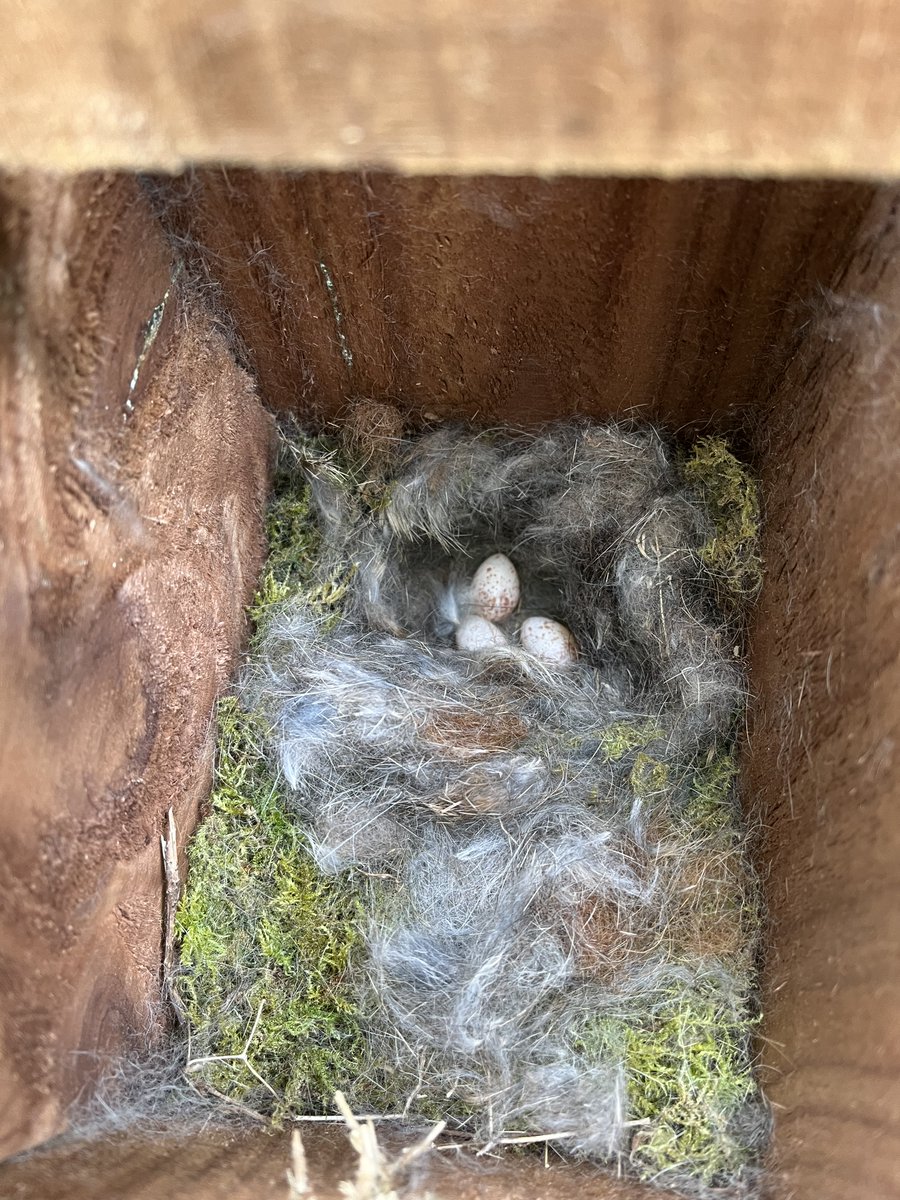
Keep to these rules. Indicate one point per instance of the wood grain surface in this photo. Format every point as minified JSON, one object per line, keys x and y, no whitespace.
{"x":134,"y":469}
{"x":253,"y":1165}
{"x":513,"y":300}
{"x":823,"y":768}
{"x":580,"y":86}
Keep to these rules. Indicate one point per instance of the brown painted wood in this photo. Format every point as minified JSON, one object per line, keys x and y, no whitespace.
{"x":253,"y":1166}
{"x":133,"y":477}
{"x":823,"y":767}
{"x":514,"y":300}
{"x":590,"y":86}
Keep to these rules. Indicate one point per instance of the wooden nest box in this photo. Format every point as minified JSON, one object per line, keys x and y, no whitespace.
{"x":491,"y":212}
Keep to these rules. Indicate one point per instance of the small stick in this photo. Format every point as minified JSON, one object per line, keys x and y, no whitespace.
{"x":298,"y":1176}
{"x":194,"y":1064}
{"x":374,"y":1117}
{"x":534,"y":1139}
{"x":172,"y":896}
{"x":377,"y":1176}
{"x":235,"y":1104}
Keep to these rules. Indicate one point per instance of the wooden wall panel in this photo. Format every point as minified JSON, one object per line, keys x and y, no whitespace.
{"x":252,"y":1164}
{"x":506,"y":299}
{"x":576,"y":86}
{"x":514,"y":300}
{"x":822,"y":772}
{"x":134,"y":471}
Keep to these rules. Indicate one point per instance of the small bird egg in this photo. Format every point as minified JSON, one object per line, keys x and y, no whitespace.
{"x":494,"y":593}
{"x":549,"y":641}
{"x":477,"y":633}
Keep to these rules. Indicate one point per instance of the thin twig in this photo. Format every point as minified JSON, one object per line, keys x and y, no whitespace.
{"x":171,"y":899}
{"x":377,"y":1177}
{"x":229,"y":1100}
{"x":533,"y":1139}
{"x":374,"y":1117}
{"x":195,"y":1063}
{"x":298,"y":1176}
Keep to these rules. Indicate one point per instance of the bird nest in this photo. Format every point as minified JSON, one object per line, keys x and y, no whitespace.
{"x":482,"y":882}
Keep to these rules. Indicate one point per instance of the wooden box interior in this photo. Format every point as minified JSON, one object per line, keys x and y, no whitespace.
{"x":146,"y":327}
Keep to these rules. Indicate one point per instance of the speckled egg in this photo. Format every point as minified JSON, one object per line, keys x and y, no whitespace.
{"x":494,"y":593}
{"x":477,"y":634}
{"x":549,"y":641}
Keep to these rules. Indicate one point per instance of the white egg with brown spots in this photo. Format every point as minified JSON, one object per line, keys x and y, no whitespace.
{"x":494,"y":593}
{"x":477,"y":634}
{"x":548,"y":640}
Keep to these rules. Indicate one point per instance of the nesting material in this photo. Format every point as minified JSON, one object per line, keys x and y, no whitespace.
{"x":501,"y":693}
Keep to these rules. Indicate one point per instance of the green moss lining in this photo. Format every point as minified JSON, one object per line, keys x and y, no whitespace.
{"x":710,"y":808}
{"x":688,"y":1078}
{"x":266,"y":939}
{"x":648,"y":776}
{"x":266,"y":942}
{"x":621,"y":738}
{"x":730,"y":495}
{"x":294,"y":544}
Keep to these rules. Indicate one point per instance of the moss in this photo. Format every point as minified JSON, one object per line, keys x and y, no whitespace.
{"x":730,"y":496}
{"x":710,"y":806}
{"x":623,"y":737}
{"x":648,"y":776}
{"x":294,"y":542}
{"x":721,"y":913}
{"x":376,"y":495}
{"x":687,"y":1065}
{"x":688,"y":1078}
{"x":267,"y":940}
